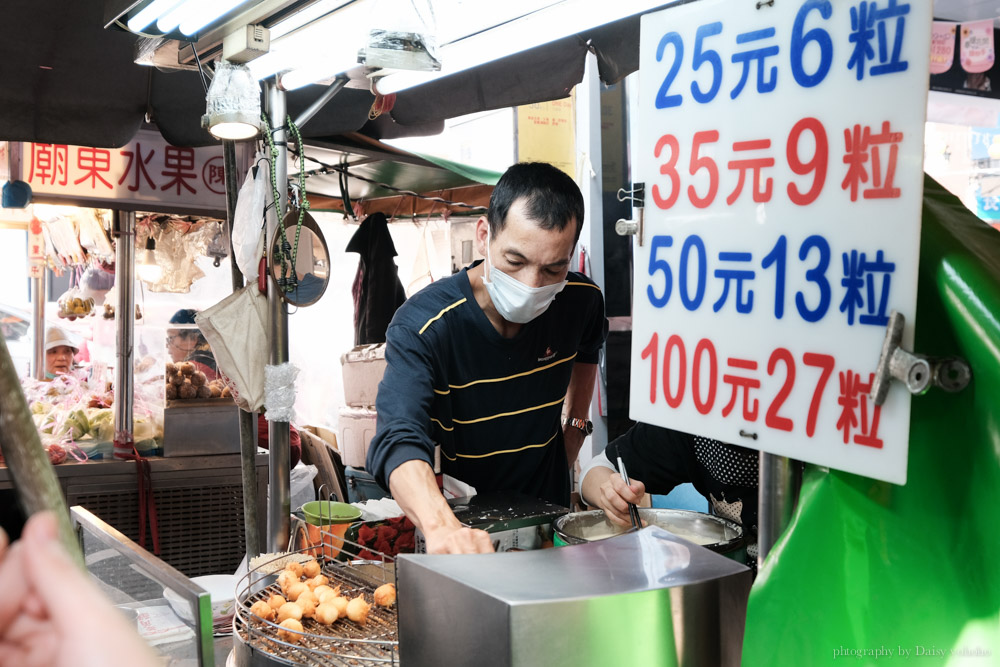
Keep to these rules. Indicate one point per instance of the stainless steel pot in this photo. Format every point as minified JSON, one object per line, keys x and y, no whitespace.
{"x":712,"y":532}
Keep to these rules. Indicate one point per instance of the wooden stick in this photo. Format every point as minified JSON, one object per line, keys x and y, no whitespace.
{"x":34,"y":479}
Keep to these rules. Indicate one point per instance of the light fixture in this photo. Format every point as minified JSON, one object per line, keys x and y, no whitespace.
{"x":546,"y":25}
{"x":147,"y":268}
{"x":309,"y":46}
{"x":233,"y":103}
{"x":186,"y":16}
{"x":298,"y":78}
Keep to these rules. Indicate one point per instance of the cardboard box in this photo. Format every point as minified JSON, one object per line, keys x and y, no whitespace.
{"x":363,"y":367}
{"x":356,"y":428}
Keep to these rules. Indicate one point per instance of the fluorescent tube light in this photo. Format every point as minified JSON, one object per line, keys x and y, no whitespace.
{"x":203,"y":13}
{"x":298,"y":78}
{"x":320,"y":47}
{"x":304,"y":17}
{"x":148,"y":14}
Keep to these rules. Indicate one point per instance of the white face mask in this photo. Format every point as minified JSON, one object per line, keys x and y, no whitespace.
{"x":515,"y":301}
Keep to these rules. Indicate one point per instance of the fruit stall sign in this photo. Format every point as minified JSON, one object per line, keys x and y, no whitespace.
{"x":147,"y":172}
{"x":781,"y":150}
{"x":36,"y":249}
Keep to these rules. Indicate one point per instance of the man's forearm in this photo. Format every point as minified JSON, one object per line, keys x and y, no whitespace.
{"x":578,"y":396}
{"x":414,"y":487}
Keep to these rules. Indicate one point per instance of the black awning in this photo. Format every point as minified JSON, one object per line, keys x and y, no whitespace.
{"x":65,"y":79}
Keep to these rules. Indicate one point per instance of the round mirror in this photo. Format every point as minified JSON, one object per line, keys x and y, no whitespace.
{"x":306,"y":267}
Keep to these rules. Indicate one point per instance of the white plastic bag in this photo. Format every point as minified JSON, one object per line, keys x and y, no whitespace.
{"x":248,"y":222}
{"x":236,"y":328}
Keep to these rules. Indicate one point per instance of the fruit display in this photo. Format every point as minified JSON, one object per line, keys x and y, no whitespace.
{"x":109,"y":311}
{"x":76,"y":416}
{"x":73,"y":307}
{"x":185,"y":382}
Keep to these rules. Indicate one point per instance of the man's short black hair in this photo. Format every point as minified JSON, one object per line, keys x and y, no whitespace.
{"x":551,"y":198}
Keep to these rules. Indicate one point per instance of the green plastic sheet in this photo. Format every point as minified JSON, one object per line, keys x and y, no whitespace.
{"x":871,"y":573}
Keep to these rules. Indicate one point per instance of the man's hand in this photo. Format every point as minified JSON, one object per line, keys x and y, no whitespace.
{"x":412,"y":485}
{"x":53,"y":615}
{"x":458,"y":540}
{"x":614,"y":496}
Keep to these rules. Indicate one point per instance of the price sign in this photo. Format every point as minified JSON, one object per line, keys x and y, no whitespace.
{"x":781,"y":149}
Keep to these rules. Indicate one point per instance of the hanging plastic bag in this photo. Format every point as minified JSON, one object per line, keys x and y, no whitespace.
{"x":73,"y":303}
{"x":248,"y":241}
{"x":236,"y":328}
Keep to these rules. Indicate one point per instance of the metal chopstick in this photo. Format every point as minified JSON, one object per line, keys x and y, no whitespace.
{"x":633,"y":511}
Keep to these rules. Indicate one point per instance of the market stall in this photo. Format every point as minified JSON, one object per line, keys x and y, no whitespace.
{"x":125,"y":398}
{"x":517,"y":605}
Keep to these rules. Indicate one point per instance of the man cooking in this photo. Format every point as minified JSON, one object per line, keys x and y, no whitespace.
{"x":488,"y":362}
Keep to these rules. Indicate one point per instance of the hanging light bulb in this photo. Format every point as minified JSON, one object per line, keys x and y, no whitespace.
{"x":233,"y":103}
{"x":147,"y":268}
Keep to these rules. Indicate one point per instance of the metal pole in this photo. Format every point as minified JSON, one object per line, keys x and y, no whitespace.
{"x":248,"y":443}
{"x":279,"y":437}
{"x":125,"y":324}
{"x":780,"y":478}
{"x":327,"y":95}
{"x":39,"y":295}
{"x":589,"y":176}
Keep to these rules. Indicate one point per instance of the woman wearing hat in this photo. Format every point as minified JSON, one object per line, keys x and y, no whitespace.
{"x":59,"y":353}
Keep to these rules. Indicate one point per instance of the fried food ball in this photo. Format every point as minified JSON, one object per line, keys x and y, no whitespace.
{"x":326,"y":613}
{"x":263,"y":610}
{"x":199,"y":379}
{"x":171,"y":368}
{"x":357,"y":610}
{"x":226,"y":392}
{"x":289,"y":610}
{"x":204,"y":392}
{"x":385,"y":595}
{"x":311,"y":568}
{"x":318,"y":580}
{"x":286,"y":577}
{"x":307,"y":602}
{"x":341,"y":604}
{"x":187,"y":390}
{"x":295,"y":568}
{"x":322,"y":592}
{"x":291,"y":632}
{"x":177,"y":379}
{"x":275,"y":601}
{"x":296,"y":589}
{"x":171,"y":391}
{"x":215,"y":390}
{"x":186,"y":368}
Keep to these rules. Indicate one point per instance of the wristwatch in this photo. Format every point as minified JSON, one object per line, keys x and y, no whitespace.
{"x":584,"y":425}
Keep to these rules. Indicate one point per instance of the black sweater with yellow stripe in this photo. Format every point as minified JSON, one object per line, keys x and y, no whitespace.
{"x":494,"y":404}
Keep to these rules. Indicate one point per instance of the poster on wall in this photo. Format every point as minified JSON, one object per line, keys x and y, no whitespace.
{"x":963,"y":59}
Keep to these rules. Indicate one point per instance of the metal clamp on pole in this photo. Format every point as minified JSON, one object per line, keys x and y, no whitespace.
{"x":636,"y":195}
{"x":916,"y":371}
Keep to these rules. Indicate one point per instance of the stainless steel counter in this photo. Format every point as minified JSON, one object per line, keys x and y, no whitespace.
{"x":643,"y":598}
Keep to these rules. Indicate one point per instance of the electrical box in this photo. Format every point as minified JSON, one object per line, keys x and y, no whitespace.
{"x":245,"y":44}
